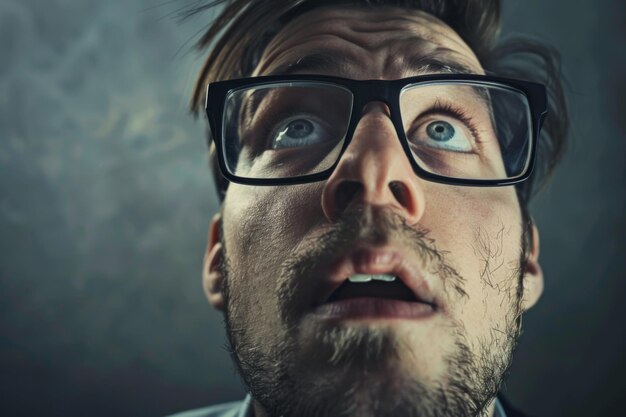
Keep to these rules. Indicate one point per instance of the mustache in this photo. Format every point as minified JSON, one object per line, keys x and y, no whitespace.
{"x":371,"y":225}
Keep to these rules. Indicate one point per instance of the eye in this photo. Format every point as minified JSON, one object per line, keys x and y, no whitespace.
{"x":445,"y":135}
{"x":299,"y":131}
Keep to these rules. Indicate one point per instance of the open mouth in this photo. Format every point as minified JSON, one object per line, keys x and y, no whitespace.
{"x":373,"y":286}
{"x":374,"y":296}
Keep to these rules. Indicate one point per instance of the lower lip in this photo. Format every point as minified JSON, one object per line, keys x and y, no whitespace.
{"x":384,"y":308}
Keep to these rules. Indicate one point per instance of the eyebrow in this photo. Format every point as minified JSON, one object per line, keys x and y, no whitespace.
{"x":435,"y":63}
{"x":314,"y":63}
{"x":325,"y":62}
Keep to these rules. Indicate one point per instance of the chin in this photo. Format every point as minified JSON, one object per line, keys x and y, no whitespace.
{"x":347,"y":353}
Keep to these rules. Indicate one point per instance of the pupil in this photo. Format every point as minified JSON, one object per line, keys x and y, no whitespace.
{"x":440,"y":131}
{"x":299,"y":129}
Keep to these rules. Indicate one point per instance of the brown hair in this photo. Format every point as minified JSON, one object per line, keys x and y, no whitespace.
{"x":245,"y":27}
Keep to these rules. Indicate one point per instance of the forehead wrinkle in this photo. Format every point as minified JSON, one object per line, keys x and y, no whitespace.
{"x":436,"y":35}
{"x":333,"y":28}
{"x":370,"y":21}
{"x":336,"y":27}
{"x":329,"y":29}
{"x":407,"y":24}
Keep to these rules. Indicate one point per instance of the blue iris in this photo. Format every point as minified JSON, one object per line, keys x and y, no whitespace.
{"x":299,"y":129}
{"x":440,"y":131}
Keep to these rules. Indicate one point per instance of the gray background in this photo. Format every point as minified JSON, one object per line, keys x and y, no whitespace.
{"x":105,"y":198}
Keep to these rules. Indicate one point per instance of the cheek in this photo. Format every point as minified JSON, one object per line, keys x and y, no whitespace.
{"x":262,"y":226}
{"x":259,"y":220}
{"x":480,"y":229}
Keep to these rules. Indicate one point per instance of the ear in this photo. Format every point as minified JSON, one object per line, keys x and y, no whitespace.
{"x":212,"y":278}
{"x":533,"y":275}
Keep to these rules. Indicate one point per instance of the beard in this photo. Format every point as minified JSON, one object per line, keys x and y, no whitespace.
{"x":341,"y":370}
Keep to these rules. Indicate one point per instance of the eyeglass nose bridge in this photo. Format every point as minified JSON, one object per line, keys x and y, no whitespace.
{"x":382,"y":91}
{"x":373,"y":90}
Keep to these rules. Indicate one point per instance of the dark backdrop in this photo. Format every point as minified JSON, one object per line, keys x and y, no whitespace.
{"x":105,"y":199}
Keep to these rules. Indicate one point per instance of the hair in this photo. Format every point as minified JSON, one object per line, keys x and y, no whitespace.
{"x":238,"y":36}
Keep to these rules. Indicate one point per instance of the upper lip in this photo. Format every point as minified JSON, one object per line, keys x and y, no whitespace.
{"x":368,"y":261}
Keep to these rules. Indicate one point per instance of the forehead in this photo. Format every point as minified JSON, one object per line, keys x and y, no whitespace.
{"x":367,"y":43}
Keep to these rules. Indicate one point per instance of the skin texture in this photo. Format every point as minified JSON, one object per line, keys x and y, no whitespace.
{"x":272,"y":249}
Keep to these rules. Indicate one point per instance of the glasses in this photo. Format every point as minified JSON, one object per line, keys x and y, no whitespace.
{"x":454,"y":129}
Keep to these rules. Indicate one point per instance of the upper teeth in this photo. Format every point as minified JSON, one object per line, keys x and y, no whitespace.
{"x":369,"y":277}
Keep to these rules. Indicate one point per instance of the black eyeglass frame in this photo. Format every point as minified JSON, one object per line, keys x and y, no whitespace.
{"x":364,"y":92}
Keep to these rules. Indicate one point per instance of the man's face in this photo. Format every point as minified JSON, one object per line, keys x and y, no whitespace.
{"x":285,"y":249}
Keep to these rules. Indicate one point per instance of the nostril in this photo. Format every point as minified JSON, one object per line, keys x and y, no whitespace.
{"x":400,"y":193}
{"x":345,"y":194}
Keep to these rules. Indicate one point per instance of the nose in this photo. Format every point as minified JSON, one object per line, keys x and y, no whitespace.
{"x":374,"y":170}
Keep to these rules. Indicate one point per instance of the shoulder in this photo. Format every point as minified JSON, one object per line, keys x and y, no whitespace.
{"x":231,"y":409}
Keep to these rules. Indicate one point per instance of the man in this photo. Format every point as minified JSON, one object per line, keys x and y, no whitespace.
{"x":373,"y":254}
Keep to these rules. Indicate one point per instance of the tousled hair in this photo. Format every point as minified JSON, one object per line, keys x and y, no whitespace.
{"x":238,"y":36}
